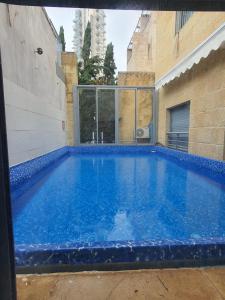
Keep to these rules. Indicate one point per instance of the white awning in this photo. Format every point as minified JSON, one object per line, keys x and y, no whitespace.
{"x":213,"y":42}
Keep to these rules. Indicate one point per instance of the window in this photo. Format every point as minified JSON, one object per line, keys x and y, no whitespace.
{"x":178,"y":134}
{"x":181,"y":18}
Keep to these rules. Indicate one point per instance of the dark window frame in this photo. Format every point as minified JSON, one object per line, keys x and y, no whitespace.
{"x":182,"y":18}
{"x":178,"y":140}
{"x":7,"y":265}
{"x":7,"y":275}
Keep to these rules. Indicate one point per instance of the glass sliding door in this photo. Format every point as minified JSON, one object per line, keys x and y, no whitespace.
{"x":115,"y":115}
{"x":127,"y":116}
{"x":96,"y":115}
{"x":144,"y":113}
{"x":106,"y":116}
{"x":87,"y":115}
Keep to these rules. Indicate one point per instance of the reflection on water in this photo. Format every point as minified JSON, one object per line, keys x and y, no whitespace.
{"x":122,"y":228}
{"x":119,"y":197}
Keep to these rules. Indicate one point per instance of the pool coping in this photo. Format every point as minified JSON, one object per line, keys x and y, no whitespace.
{"x":166,"y":253}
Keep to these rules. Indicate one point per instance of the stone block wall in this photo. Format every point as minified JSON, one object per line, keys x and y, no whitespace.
{"x":204,"y":87}
{"x":127,"y":103}
{"x":171,"y":47}
{"x":70,"y":68}
{"x":141,"y":55}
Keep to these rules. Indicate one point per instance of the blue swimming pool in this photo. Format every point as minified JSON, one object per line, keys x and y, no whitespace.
{"x":84,"y":205}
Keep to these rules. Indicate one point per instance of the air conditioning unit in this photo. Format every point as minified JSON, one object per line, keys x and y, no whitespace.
{"x":142,"y":133}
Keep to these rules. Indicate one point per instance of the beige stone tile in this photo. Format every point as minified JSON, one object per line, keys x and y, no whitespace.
{"x":217,"y":277}
{"x":171,"y":284}
{"x":188,"y":284}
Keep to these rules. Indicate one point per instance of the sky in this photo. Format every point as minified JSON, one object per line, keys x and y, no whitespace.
{"x":120,"y":26}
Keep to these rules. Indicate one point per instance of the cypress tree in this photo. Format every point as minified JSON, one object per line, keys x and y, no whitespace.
{"x":109,"y":65}
{"x":62,"y":38}
{"x":89,"y":70}
{"x":86,"y":49}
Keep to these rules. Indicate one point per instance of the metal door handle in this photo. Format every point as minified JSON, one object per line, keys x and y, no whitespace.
{"x":93,"y":137}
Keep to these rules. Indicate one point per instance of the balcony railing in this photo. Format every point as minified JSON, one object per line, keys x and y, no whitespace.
{"x":178,"y":140}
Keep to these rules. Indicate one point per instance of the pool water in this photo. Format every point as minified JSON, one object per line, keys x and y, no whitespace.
{"x":119,"y":197}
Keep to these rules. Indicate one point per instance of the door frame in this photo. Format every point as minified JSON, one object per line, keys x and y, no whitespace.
{"x":7,"y":264}
{"x":116,"y":88}
{"x":7,"y":278}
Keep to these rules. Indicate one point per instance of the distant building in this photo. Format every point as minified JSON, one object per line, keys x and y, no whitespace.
{"x":98,"y":41}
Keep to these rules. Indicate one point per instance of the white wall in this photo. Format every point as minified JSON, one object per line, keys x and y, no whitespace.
{"x":34,"y":94}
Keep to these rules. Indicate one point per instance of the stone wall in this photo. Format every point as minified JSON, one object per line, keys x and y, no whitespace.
{"x":141,"y":51}
{"x":34,"y":92}
{"x":204,"y":87}
{"x":70,"y":68}
{"x":172,"y":47}
{"x":127,"y":103}
{"x":136,"y":78}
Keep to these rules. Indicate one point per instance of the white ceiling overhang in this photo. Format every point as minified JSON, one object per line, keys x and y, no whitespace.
{"x":212,"y":43}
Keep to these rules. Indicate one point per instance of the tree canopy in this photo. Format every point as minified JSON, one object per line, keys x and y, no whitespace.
{"x":109,"y":65}
{"x":90,"y":68}
{"x":89,"y":74}
{"x":95,"y":70}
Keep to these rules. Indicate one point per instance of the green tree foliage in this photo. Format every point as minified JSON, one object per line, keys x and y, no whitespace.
{"x":86,"y":50}
{"x":89,"y":74}
{"x":109,"y":65}
{"x":62,"y":38}
{"x":90,"y":68}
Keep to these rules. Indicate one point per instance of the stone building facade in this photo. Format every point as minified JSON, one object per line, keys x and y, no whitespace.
{"x":141,"y":49}
{"x":202,"y":84}
{"x":189,"y":68}
{"x":140,"y":72}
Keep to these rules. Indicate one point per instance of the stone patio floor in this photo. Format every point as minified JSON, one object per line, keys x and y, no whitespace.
{"x":196,"y":284}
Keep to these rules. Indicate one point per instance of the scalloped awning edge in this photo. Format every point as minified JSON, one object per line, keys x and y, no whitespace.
{"x":215,"y":41}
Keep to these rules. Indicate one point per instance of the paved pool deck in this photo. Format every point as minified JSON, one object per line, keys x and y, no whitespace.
{"x":171,"y":284}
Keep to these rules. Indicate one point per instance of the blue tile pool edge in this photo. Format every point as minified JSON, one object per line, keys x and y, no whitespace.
{"x":196,"y":162}
{"x":26,"y":170}
{"x":120,"y":252}
{"x":116,"y":252}
{"x":22,"y":172}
